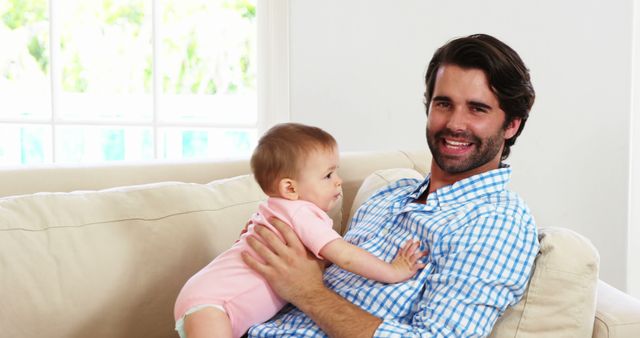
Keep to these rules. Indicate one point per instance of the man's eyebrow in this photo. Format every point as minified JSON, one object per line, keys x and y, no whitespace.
{"x":442,"y":98}
{"x":479,"y":105}
{"x":472,"y":103}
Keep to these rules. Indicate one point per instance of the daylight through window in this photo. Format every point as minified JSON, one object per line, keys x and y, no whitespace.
{"x":111,"y":80}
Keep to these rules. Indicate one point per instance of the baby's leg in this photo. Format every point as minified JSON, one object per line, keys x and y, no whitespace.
{"x":207,"y":322}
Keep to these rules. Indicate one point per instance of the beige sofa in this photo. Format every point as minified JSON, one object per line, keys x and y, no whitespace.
{"x":109,"y":263}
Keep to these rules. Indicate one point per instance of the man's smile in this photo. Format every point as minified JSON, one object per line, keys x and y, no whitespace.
{"x":449,"y":143}
{"x":455,"y":146}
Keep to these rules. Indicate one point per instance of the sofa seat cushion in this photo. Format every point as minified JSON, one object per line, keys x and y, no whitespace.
{"x":560,"y":300}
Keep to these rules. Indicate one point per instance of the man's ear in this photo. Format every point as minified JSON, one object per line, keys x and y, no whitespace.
{"x":512,"y":128}
{"x":288,"y":188}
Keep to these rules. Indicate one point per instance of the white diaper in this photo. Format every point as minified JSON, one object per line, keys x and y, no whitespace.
{"x":180,"y":322}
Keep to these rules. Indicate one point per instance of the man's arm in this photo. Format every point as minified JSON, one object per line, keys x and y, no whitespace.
{"x":296,"y":275}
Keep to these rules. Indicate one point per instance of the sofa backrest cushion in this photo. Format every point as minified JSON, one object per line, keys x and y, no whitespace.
{"x":561,"y":297}
{"x":110,"y":263}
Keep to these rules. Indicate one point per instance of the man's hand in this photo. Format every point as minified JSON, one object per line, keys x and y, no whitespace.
{"x":296,"y":275}
{"x":290,"y":269}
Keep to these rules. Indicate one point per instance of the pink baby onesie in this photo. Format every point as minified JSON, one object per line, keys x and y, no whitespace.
{"x":227,"y":281}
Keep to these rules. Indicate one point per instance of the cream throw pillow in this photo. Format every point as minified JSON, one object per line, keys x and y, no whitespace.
{"x":561,"y":297}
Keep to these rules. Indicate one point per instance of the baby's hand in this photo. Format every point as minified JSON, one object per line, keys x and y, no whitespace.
{"x":244,"y":230}
{"x":406,"y":262}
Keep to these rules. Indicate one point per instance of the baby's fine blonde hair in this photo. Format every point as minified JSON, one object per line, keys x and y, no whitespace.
{"x":282,"y":151}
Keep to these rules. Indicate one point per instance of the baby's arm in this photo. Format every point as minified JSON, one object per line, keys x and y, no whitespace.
{"x":359,"y":261}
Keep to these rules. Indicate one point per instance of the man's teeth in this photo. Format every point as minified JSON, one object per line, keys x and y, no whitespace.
{"x":456,"y":144}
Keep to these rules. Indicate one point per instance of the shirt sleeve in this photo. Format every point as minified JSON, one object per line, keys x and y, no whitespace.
{"x":476,"y":273}
{"x":314,"y":228}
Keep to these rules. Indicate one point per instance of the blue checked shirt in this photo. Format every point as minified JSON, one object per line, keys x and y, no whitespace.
{"x":482,"y":242}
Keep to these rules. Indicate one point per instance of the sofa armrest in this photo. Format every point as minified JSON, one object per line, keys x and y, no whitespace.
{"x":617,"y":313}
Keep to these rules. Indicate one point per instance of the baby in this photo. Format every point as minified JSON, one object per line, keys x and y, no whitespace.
{"x":295,"y":165}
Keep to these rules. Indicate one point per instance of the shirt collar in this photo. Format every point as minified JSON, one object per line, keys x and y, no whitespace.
{"x":469,"y":188}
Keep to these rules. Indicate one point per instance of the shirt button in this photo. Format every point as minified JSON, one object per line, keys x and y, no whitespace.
{"x":384,"y":231}
{"x":278,"y":322}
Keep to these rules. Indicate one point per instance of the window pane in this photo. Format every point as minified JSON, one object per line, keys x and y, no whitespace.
{"x":207,"y":61}
{"x":106,"y":60}
{"x":24,"y":60}
{"x":21,"y":144}
{"x":83,"y":144}
{"x":102,"y":66}
{"x":183,"y":143}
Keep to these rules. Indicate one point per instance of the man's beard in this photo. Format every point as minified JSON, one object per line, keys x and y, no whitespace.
{"x":484,"y":150}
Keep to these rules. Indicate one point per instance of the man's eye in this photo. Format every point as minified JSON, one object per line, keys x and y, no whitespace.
{"x":443,"y":104}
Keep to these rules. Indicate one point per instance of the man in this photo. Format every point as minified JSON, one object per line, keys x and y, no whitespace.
{"x":481,"y":238}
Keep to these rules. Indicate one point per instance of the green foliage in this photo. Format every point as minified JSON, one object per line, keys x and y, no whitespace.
{"x":205,"y":67}
{"x":130,"y":16}
{"x":131,"y":13}
{"x":248,"y":79}
{"x":244,"y":7}
{"x":28,"y":16}
{"x":72,"y":76}
{"x":211,"y":87}
{"x":190,"y":63}
{"x":38,"y":50}
{"x":21,"y":13}
{"x":195,"y":73}
{"x":148,"y":74}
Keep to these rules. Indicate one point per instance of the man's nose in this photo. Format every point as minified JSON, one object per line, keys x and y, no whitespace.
{"x":457,"y":119}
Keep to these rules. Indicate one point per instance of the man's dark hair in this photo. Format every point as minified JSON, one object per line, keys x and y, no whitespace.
{"x":507,"y":75}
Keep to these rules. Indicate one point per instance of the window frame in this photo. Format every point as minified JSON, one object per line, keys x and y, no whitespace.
{"x":272,"y":87}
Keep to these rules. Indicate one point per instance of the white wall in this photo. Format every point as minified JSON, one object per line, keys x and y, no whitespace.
{"x":357,"y":66}
{"x":633,"y":268}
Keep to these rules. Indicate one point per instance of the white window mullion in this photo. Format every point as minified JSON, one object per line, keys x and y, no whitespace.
{"x":273,"y":63}
{"x":159,"y":124}
{"x":155,"y":46}
{"x":55,"y":71}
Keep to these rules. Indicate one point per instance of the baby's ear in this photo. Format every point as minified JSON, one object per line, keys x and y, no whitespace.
{"x":288,"y":189}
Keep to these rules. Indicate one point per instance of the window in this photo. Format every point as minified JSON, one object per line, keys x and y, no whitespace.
{"x":112,"y":80}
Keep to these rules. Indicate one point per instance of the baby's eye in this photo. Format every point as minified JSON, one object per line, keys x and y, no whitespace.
{"x":329,"y":175}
